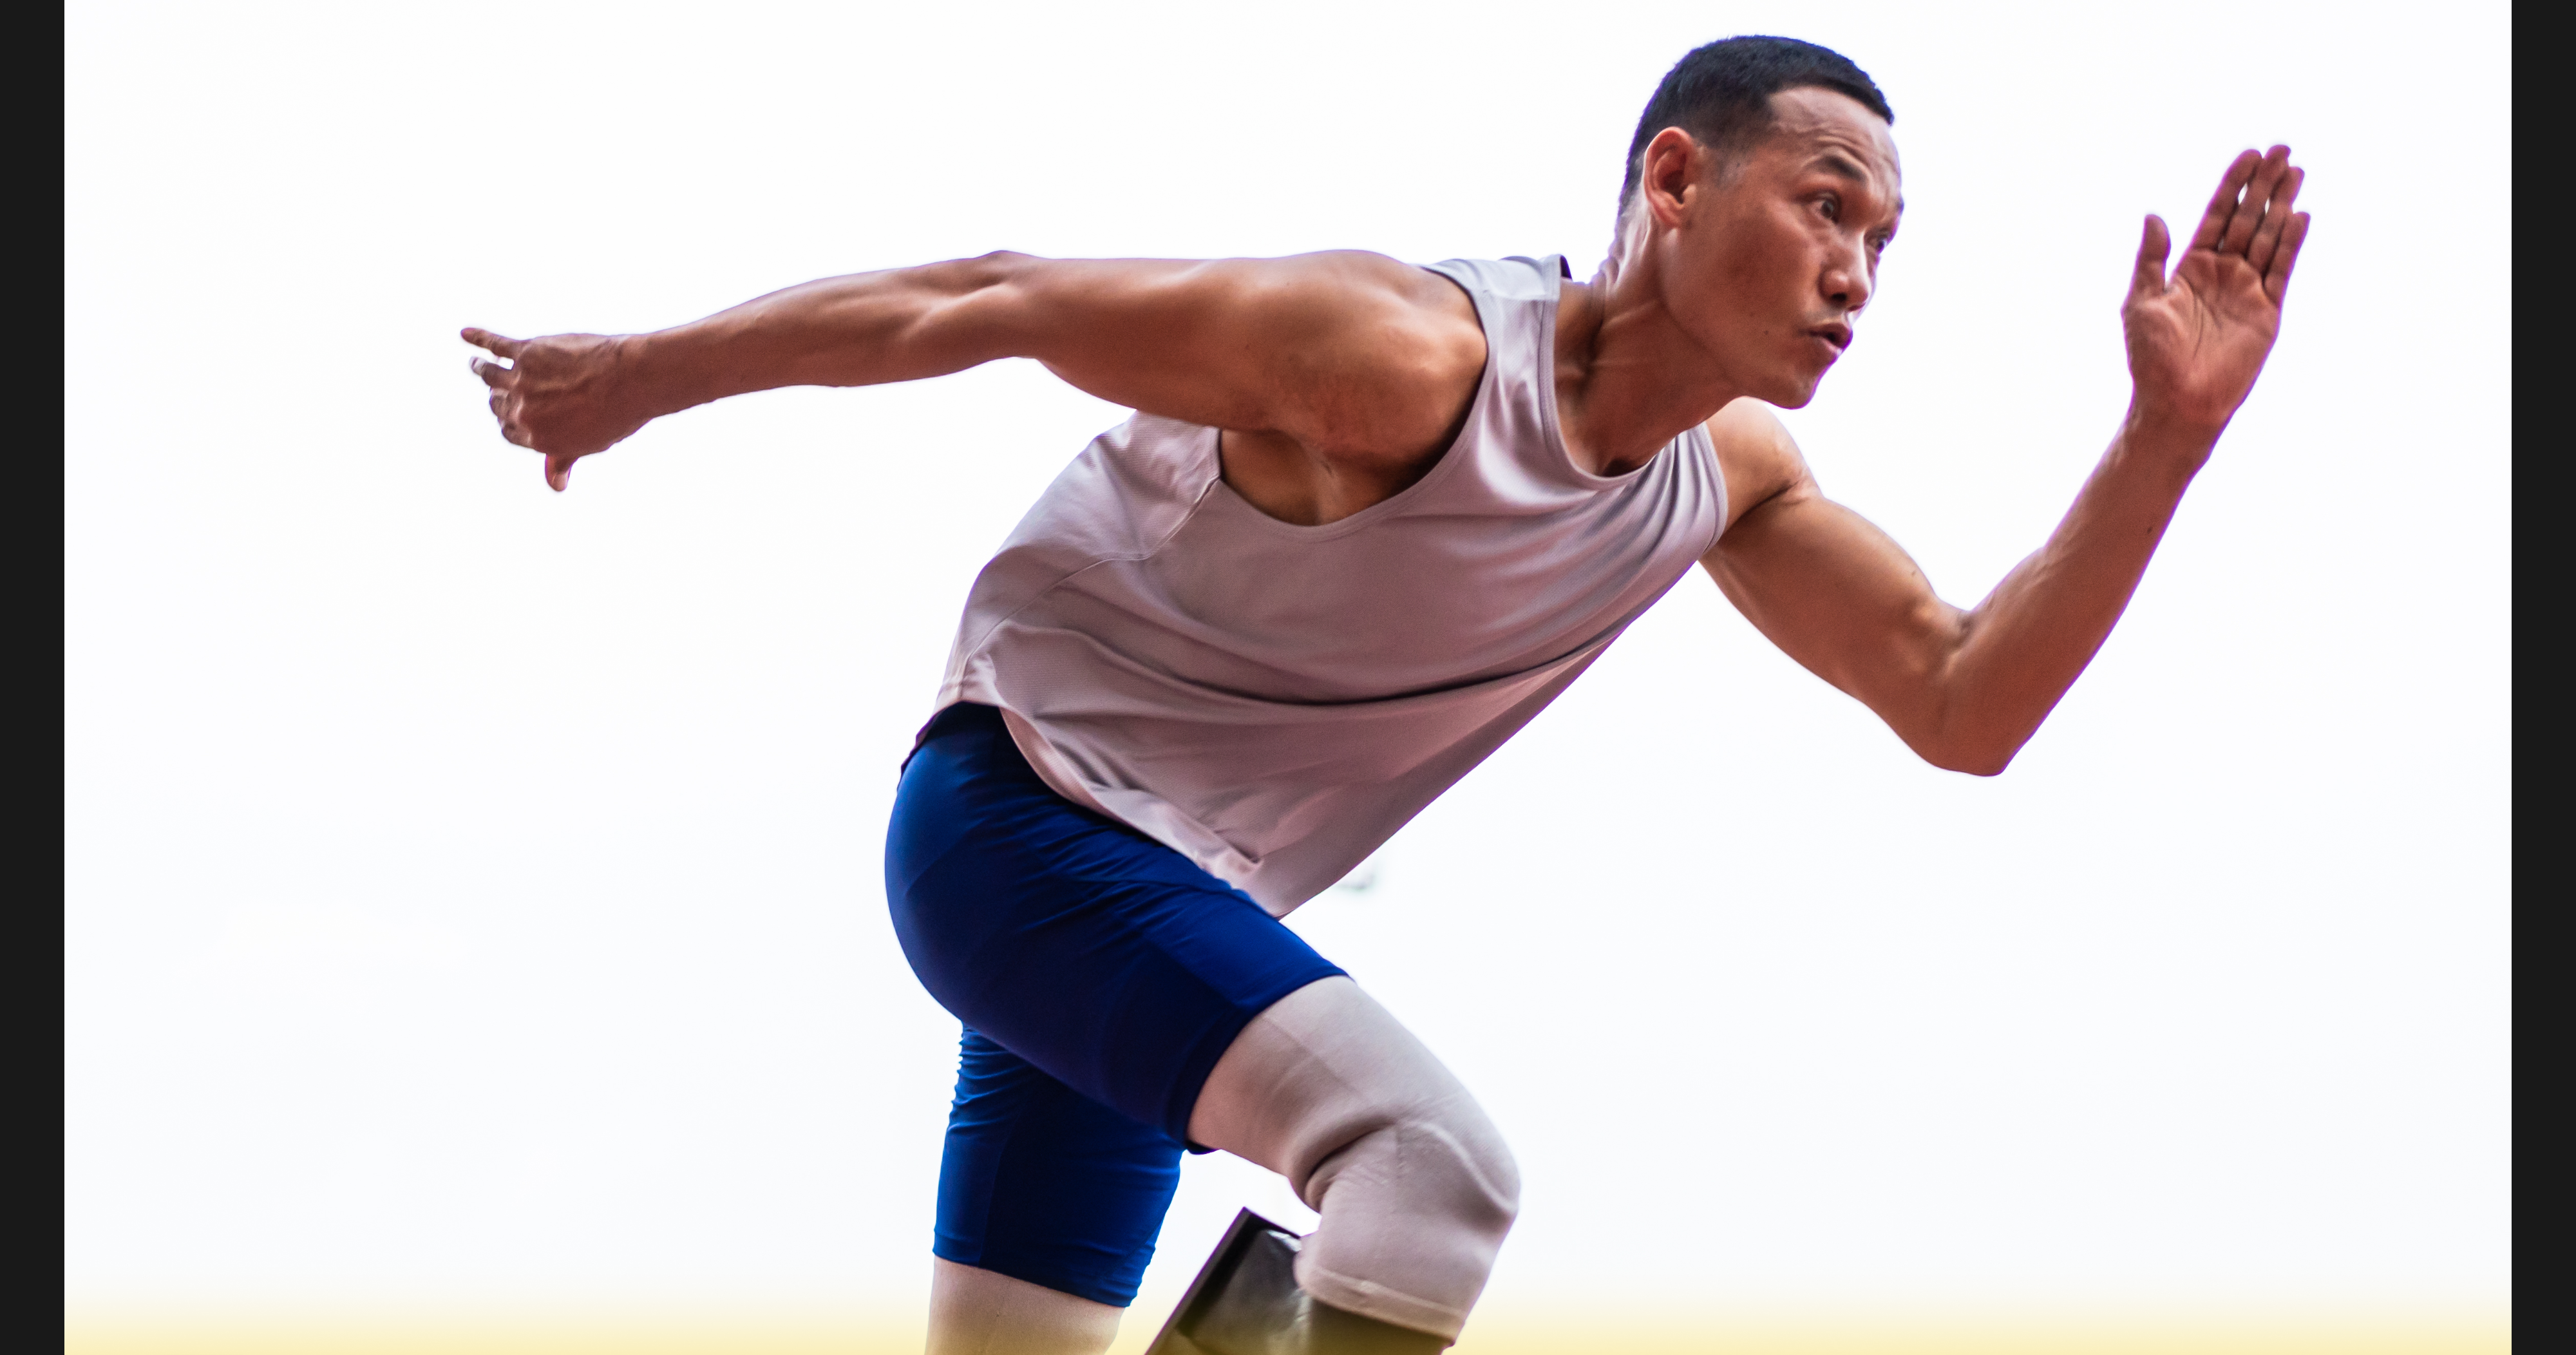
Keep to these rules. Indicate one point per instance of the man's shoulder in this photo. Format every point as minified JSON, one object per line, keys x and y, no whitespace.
{"x":1751,"y":427}
{"x":1755,"y":453}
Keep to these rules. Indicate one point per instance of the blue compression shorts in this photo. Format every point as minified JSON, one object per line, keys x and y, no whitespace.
{"x":1099,"y":974}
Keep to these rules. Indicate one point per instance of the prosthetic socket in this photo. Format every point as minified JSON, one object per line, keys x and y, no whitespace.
{"x":1413,"y":1185}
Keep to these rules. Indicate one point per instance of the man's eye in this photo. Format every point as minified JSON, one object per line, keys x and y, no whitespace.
{"x":1833,"y":210}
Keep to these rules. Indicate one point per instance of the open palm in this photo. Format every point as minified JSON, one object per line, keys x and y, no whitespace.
{"x":2197,"y":339}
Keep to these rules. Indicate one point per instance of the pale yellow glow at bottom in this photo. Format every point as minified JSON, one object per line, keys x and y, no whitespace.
{"x":1886,"y":1335}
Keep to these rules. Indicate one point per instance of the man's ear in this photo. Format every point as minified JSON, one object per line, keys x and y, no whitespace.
{"x":1674,"y":165}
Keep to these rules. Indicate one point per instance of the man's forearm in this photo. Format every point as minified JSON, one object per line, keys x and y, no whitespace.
{"x":2197,"y":335}
{"x":860,"y":330}
{"x":2021,"y":648}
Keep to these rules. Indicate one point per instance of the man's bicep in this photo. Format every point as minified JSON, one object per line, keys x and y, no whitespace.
{"x":1293,"y":344}
{"x":1839,"y":596}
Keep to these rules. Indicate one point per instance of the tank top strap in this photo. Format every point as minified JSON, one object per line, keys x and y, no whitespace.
{"x":1513,"y":435}
{"x":1516,"y":302}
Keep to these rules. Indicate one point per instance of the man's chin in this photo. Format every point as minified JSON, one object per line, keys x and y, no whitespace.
{"x":1790,"y":392}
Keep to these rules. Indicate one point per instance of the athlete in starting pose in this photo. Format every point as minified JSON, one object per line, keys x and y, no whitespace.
{"x":1367,"y":520}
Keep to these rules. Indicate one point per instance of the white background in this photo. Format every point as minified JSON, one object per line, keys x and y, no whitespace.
{"x":473,"y":893}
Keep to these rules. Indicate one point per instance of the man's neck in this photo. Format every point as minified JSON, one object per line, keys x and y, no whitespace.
{"x":1629,"y":378}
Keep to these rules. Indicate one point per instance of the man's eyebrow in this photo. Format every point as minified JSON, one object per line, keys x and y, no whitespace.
{"x":1842,"y":165}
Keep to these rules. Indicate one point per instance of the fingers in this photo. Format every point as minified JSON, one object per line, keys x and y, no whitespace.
{"x":2222,"y":204}
{"x":498,"y":345}
{"x":2276,"y":219}
{"x":502,"y":380}
{"x":499,"y":402}
{"x":2276,"y":279}
{"x":2154,"y":247}
{"x":2248,"y":216}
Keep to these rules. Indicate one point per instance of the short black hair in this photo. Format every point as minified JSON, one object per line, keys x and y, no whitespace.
{"x":1721,"y":93}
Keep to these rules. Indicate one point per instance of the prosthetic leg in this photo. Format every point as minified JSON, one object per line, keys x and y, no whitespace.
{"x":1245,"y":1301}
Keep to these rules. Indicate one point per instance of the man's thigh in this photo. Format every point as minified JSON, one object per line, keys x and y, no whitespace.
{"x":1103,"y":958}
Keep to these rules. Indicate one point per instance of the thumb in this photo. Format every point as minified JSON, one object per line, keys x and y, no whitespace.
{"x":2153,"y":248}
{"x":559,"y":473}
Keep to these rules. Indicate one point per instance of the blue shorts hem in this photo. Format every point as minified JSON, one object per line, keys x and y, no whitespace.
{"x":1041,"y":1272}
{"x":1219,"y":1036}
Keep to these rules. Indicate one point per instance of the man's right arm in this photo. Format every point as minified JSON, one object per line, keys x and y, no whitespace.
{"x":1966,"y":688}
{"x":1344,"y":352}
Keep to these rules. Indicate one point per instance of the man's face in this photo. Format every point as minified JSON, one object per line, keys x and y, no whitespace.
{"x":1774,"y":254}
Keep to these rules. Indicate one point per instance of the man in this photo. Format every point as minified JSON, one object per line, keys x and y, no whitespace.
{"x":1368,"y":519}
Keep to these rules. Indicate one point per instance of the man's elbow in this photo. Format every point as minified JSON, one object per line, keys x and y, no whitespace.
{"x":1990,"y":765}
{"x":1975,"y":757}
{"x":1956,"y":733}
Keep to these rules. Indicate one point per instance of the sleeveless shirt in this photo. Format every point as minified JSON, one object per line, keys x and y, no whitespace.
{"x":1274,"y":701}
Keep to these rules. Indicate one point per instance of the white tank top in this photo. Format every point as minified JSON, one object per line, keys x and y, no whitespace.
{"x":1275,"y":701}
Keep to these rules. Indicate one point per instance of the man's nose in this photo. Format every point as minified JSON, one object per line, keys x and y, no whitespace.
{"x":1847,"y":282}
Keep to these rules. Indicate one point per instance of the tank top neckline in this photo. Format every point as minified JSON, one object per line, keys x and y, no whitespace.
{"x":1386,"y":507}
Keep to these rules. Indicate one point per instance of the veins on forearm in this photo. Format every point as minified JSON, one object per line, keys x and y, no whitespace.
{"x":855,"y":330}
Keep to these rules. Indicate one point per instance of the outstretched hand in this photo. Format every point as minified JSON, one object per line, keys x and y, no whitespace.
{"x":559,"y":396}
{"x":2197,"y":339}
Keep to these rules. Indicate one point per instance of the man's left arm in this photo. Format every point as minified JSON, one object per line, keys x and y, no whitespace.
{"x":1965,"y":689}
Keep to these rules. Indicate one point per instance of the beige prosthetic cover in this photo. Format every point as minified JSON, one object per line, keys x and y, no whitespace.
{"x":981,"y":1312}
{"x":1414,"y":1185}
